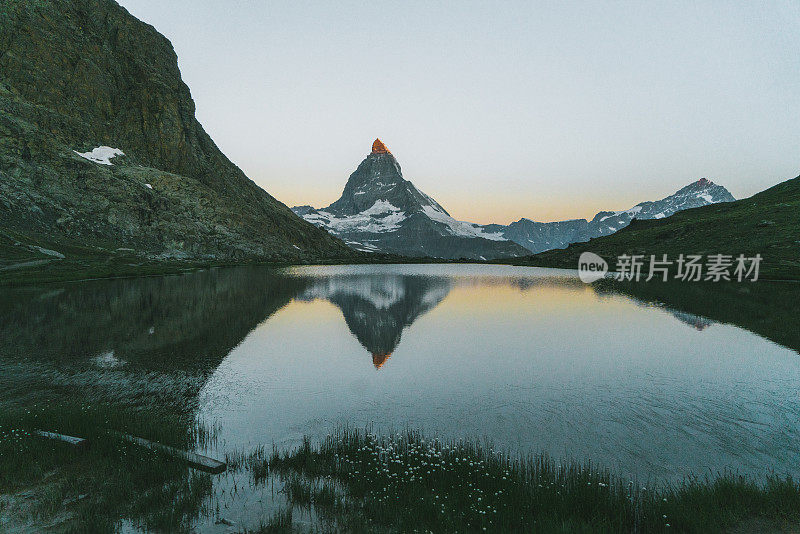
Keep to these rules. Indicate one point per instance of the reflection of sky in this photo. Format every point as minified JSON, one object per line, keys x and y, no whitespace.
{"x":554,"y":367}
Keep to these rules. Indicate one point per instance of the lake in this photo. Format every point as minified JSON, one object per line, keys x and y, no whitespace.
{"x":530,"y":359}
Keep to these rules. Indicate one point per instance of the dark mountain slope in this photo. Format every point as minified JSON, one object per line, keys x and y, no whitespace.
{"x":767,"y":223}
{"x":77,"y":75}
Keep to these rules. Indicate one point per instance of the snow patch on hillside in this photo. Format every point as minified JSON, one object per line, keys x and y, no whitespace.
{"x":380,"y":218}
{"x":102,"y":154}
{"x":460,"y":228}
{"x":630,"y":213}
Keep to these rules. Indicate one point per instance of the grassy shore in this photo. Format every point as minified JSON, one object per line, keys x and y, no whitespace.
{"x":46,"y":484}
{"x":403,"y":483}
{"x":352,"y":481}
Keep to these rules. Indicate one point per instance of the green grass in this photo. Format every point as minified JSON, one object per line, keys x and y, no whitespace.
{"x":110,"y":480}
{"x":280,"y":522}
{"x":767,"y":223}
{"x":360,"y":482}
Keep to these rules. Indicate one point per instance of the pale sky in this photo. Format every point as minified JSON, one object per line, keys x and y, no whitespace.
{"x":499,"y":110}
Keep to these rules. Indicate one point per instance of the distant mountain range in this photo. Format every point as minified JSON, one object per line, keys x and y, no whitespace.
{"x":380,"y":211}
{"x":768,"y":223}
{"x":539,"y":236}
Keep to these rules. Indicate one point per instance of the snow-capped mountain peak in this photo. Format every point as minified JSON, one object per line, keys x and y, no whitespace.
{"x":381,"y":210}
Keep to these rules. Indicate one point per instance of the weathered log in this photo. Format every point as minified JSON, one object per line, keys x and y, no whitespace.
{"x":197,"y":461}
{"x":72,"y":440}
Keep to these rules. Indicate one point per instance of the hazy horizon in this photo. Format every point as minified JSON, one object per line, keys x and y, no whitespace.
{"x":498,"y":111}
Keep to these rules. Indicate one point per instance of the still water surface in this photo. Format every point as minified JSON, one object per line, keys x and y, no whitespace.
{"x":531,"y":359}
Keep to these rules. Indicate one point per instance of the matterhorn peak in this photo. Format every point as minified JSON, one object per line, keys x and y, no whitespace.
{"x":379,"y":148}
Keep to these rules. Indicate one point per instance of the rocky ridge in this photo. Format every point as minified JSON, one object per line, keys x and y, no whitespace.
{"x":100,"y":149}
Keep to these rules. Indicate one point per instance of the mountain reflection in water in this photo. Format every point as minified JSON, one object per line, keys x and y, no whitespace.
{"x":152,"y":339}
{"x":189,"y":323}
{"x":377,"y":308}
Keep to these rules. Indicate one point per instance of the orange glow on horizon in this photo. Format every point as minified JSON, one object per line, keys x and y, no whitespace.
{"x":489,"y":211}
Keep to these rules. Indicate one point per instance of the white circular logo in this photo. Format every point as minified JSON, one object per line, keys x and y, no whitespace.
{"x":591,"y":267}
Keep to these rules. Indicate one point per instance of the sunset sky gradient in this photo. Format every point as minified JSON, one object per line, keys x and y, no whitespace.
{"x":499,"y":110}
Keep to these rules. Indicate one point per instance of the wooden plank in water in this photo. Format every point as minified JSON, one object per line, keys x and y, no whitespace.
{"x":72,"y":440}
{"x":197,"y":461}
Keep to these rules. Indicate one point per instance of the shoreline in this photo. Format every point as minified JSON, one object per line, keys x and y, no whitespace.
{"x":60,"y":271}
